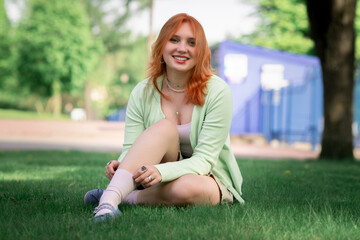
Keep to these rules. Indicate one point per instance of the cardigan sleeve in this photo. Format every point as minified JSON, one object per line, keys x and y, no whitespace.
{"x":211,"y":138}
{"x":134,"y":122}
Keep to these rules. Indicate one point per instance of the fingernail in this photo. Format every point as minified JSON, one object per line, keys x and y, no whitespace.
{"x":143,"y":168}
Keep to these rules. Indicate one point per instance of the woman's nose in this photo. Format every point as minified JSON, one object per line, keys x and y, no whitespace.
{"x":181,"y":47}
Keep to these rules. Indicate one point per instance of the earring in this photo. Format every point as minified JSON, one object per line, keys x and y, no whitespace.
{"x":162,"y":60}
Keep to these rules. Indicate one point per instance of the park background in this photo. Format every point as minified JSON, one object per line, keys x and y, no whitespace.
{"x":61,"y":56}
{"x":84,"y":58}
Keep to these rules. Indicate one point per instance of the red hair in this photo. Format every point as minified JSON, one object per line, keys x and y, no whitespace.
{"x":202,"y":70}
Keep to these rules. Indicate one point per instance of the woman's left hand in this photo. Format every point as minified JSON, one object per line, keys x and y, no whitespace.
{"x":110,"y":168}
{"x":147,"y":176}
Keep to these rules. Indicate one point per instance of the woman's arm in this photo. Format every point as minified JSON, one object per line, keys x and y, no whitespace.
{"x":134,"y":122}
{"x":213,"y":134}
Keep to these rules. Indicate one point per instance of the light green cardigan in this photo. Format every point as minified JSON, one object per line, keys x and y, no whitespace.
{"x":209,"y":134}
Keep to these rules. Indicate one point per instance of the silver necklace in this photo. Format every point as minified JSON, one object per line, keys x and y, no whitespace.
{"x":173,"y":84}
{"x":174,"y":89}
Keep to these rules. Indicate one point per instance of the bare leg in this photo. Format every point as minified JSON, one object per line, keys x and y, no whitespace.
{"x":160,"y":142}
{"x":186,"y":190}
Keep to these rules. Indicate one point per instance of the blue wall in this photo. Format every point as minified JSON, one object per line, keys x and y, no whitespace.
{"x":292,"y":113}
{"x":117,"y":116}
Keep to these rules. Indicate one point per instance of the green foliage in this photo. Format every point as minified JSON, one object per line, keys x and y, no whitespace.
{"x":108,"y":19}
{"x":12,"y":93}
{"x":117,"y":75}
{"x":10,"y":100}
{"x":4,"y":21}
{"x":132,"y":70}
{"x":41,"y":197}
{"x":124,"y":63}
{"x":7,"y":51}
{"x":8,"y":57}
{"x":55,"y":46}
{"x":357,"y":32}
{"x":284,"y":26}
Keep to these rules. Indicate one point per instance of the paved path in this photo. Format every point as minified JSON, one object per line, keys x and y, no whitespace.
{"x":101,"y":136}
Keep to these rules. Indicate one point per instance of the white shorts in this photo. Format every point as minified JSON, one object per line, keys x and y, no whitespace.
{"x":225,"y":195}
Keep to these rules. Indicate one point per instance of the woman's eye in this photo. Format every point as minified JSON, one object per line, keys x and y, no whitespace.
{"x":192,"y":43}
{"x":173,"y":40}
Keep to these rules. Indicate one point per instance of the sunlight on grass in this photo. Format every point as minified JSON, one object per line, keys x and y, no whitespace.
{"x":37,"y":173}
{"x":17,"y":114}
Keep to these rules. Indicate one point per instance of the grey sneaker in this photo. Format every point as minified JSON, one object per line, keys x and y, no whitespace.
{"x":115,"y":212}
{"x":92,"y":197}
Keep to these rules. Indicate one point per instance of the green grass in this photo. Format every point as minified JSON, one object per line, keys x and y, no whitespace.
{"x":17,"y":114}
{"x":41,"y":197}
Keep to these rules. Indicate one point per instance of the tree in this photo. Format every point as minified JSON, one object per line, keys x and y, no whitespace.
{"x":7,"y":51}
{"x":56,"y":48}
{"x":357,"y":32}
{"x":109,"y":20}
{"x":332,"y":28}
{"x":283,"y":26}
{"x":132,"y":70}
{"x":109,"y":24}
{"x":12,"y":95}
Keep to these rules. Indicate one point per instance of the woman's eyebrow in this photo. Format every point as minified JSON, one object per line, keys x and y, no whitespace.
{"x":177,"y":36}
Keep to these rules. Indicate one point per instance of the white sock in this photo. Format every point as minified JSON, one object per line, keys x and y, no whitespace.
{"x":132,"y":197}
{"x":119,"y":187}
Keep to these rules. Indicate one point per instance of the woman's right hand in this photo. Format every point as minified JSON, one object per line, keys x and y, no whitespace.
{"x":110,"y":168}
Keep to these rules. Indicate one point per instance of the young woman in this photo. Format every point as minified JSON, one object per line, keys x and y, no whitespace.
{"x":177,"y":145}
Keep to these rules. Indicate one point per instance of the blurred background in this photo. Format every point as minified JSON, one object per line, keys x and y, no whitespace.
{"x":79,"y":60}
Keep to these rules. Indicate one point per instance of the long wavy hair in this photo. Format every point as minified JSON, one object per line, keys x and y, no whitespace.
{"x":202,"y":70}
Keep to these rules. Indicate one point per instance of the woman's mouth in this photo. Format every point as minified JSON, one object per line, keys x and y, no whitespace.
{"x":180,"y":59}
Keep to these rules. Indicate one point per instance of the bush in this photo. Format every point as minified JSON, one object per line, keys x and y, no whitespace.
{"x":16,"y":101}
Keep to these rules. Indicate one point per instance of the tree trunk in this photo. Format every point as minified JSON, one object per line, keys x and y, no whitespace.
{"x":56,"y":98}
{"x":88,"y":105}
{"x":38,"y":104}
{"x":332,"y":28}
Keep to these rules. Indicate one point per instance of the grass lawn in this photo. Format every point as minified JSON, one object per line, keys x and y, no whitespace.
{"x":41,"y":197}
{"x":17,"y":114}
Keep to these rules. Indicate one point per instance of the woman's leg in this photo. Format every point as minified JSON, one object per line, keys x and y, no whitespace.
{"x":187,"y":190}
{"x":160,"y":142}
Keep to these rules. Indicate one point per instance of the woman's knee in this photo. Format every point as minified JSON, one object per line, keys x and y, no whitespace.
{"x":182,"y":193}
{"x":168,"y":129}
{"x":186,"y":191}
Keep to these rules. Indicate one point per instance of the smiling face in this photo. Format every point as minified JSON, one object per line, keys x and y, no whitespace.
{"x":179,"y":52}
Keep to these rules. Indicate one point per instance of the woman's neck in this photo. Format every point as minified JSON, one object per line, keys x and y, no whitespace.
{"x":178,"y":78}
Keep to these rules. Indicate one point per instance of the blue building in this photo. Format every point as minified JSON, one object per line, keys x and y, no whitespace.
{"x":275,"y":94}
{"x":117,"y":116}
